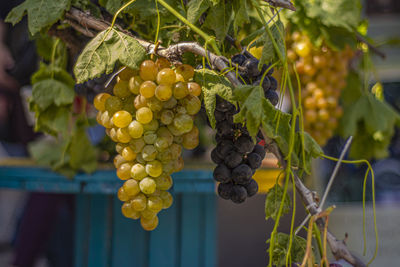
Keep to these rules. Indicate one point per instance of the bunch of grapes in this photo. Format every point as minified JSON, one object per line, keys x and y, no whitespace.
{"x":150,"y":117}
{"x":250,"y":74}
{"x":236,"y":155}
{"x":322,"y":75}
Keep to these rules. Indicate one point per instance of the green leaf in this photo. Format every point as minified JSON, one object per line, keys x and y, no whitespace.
{"x":52,"y":72}
{"x":241,"y":16}
{"x":46,"y":152}
{"x":48,"y":92}
{"x":281,"y":247}
{"x":41,"y":13}
{"x":82,"y":153}
{"x":251,"y":107}
{"x":103,"y":51}
{"x":273,"y":201}
{"x":311,"y":150}
{"x":219,"y":19}
{"x":53,"y":120}
{"x":268,"y":53}
{"x":196,"y":8}
{"x":212,"y":85}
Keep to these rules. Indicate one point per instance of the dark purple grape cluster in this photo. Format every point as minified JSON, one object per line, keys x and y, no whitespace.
{"x":236,"y":155}
{"x":250,"y":74}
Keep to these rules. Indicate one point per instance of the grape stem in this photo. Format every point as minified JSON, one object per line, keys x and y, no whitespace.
{"x":173,"y":53}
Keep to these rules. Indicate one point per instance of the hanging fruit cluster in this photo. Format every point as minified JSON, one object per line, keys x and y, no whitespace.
{"x":322,"y":73}
{"x":150,"y":117}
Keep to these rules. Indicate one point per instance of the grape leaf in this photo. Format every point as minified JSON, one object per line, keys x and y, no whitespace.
{"x":83,"y":154}
{"x":311,"y":150}
{"x":49,"y":91}
{"x":281,"y":248}
{"x":241,"y":16}
{"x":219,"y":19}
{"x":52,"y":72}
{"x":196,"y":8}
{"x":41,"y":13}
{"x":273,"y":201}
{"x":372,"y":120}
{"x":212,"y":85}
{"x":103,"y":51}
{"x":268,"y":53}
{"x":52,"y":120}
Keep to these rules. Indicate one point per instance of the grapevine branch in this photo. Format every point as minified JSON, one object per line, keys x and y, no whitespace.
{"x":173,"y":53}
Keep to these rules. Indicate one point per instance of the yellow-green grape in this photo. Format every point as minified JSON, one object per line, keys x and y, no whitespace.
{"x":139,"y":202}
{"x":122,"y":195}
{"x":167,"y":116}
{"x":113,"y":104}
{"x":178,"y":139}
{"x":147,"y":185}
{"x":131,"y":187}
{"x":151,"y":126}
{"x":128,"y":104}
{"x":174,"y":130}
{"x":164,"y":182}
{"x":123,"y":135}
{"x":128,"y":154}
{"x":161,"y":143}
{"x":178,"y":164}
{"x":128,"y":211}
{"x":168,"y":167}
{"x":148,"y":71}
{"x":170,"y":103}
{"x":192,"y":104}
{"x":137,"y":145}
{"x":179,"y":78}
{"x":121,"y":89}
{"x":139,"y":159}
{"x":118,"y":161}
{"x":149,"y":137}
{"x":147,"y":89}
{"x":113,"y":134}
{"x":122,"y":118}
{"x":135,"y":129}
{"x":126,"y":74}
{"x":149,"y":153}
{"x":149,"y":225}
{"x":180,"y":110}
{"x":167,"y":199}
{"x":176,"y":150}
{"x":119,"y":147}
{"x":144,"y":115}
{"x":191,"y":139}
{"x":180,"y":90}
{"x":154,"y":104}
{"x":154,"y":168}
{"x":164,"y":156}
{"x":154,"y":203}
{"x":106,"y":120}
{"x":138,"y":171}
{"x":194,"y":89}
{"x":98,"y":118}
{"x":124,"y":171}
{"x":134,"y":84}
{"x":166,"y":76}
{"x":99,"y":101}
{"x":148,"y":214}
{"x":162,"y":63}
{"x":183,"y":123}
{"x":186,"y":71}
{"x":164,"y":132}
{"x":140,"y":102}
{"x":164,"y":91}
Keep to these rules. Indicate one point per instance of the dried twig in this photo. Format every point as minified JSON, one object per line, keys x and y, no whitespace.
{"x":173,"y":53}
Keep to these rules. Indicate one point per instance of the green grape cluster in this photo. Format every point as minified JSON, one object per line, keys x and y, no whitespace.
{"x":150,"y":117}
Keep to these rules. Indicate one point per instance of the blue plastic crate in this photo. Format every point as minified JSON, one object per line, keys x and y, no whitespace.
{"x":186,"y":235}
